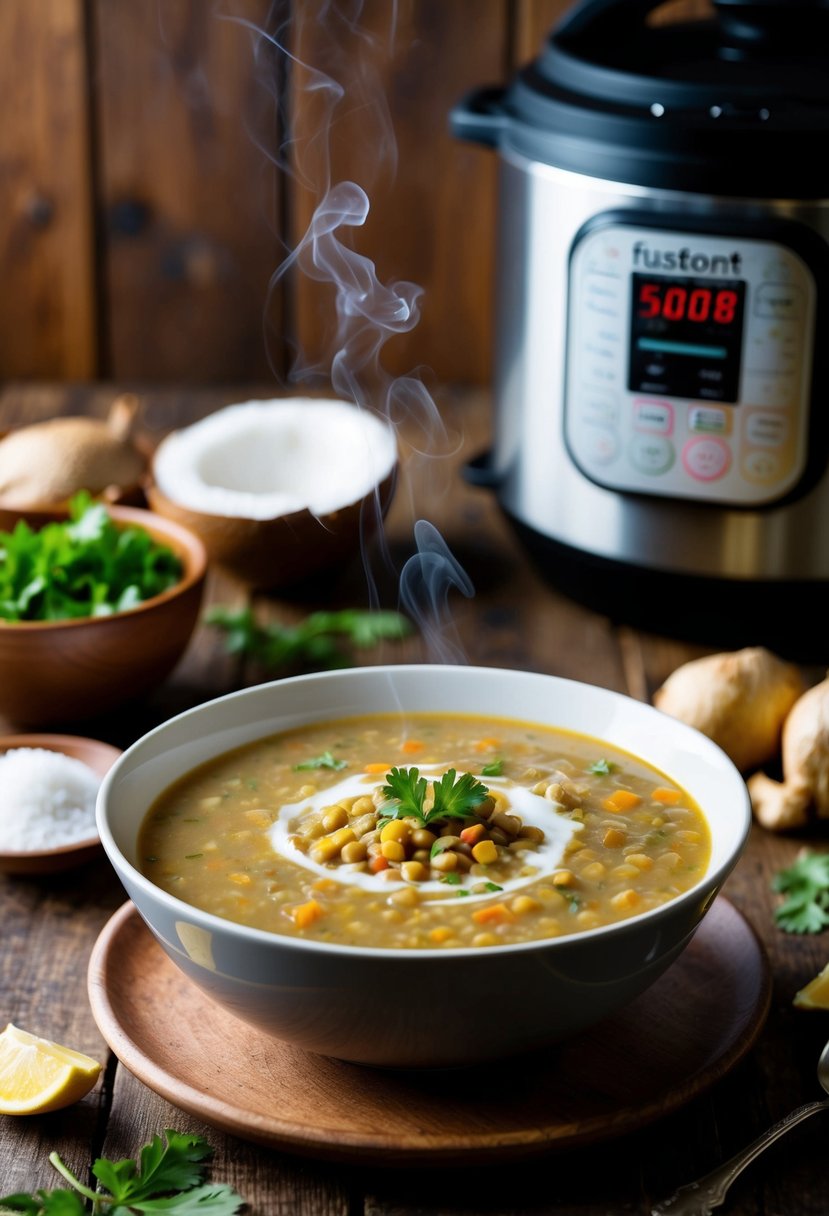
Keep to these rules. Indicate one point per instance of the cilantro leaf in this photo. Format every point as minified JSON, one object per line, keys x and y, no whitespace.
{"x":312,"y":642}
{"x":167,"y":1177}
{"x":45,"y":1203}
{"x":161,"y":1167}
{"x":405,"y":790}
{"x":493,"y":769}
{"x":806,"y":883}
{"x":86,"y":566}
{"x":326,"y":760}
{"x":601,"y":768}
{"x":456,"y":799}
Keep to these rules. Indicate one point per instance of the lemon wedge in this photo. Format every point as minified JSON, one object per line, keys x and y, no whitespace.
{"x":816,"y":993}
{"x":37,"y":1075}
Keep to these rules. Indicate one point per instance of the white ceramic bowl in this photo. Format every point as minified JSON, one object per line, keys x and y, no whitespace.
{"x":421,"y":1007}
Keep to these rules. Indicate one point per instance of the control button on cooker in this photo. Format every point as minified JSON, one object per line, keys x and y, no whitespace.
{"x":761,"y":467}
{"x":655,"y":417}
{"x":767,"y":430}
{"x":599,"y":444}
{"x":598,"y":406}
{"x":706,"y":459}
{"x":708,"y":421}
{"x":783,"y":301}
{"x":651,"y":454}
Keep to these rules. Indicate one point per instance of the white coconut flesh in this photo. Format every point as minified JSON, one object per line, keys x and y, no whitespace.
{"x":263,"y":459}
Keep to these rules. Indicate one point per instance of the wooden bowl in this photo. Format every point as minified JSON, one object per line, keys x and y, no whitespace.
{"x":96,"y":755}
{"x":269,"y":553}
{"x":66,"y":671}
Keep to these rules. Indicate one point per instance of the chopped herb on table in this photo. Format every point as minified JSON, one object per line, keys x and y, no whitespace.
{"x":86,"y":566}
{"x":315,"y":642}
{"x":806,"y":886}
{"x":167,"y":1177}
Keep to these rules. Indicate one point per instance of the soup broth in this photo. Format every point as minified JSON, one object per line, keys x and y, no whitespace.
{"x":425,"y":831}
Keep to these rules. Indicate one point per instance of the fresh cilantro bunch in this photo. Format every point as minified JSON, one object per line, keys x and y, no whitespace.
{"x":806,"y":885}
{"x":167,"y":1177}
{"x":86,"y":566}
{"x":454,"y":797}
{"x":314,"y":642}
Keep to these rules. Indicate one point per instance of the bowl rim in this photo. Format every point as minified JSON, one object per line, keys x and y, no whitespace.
{"x":708,"y":884}
{"x":193,"y":557}
{"x":61,"y":744}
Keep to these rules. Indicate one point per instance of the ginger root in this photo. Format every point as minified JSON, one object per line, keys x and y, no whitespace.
{"x":805,"y":785}
{"x":739,"y":699}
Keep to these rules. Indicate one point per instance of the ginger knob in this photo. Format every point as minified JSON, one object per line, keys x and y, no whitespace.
{"x":805,"y":784}
{"x":739,"y":699}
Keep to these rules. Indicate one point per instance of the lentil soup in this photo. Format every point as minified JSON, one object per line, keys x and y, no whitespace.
{"x":425,"y":831}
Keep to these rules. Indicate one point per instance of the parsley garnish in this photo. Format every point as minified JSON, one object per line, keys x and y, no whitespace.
{"x":168,"y":1177}
{"x":314,"y":642}
{"x":493,"y":769}
{"x":492,"y":886}
{"x":806,"y":883}
{"x":454,"y":797}
{"x":601,"y":768}
{"x":85,"y":566}
{"x":326,"y":760}
{"x":454,"y":880}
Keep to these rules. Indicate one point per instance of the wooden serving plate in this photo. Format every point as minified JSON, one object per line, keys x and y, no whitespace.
{"x":673,"y":1042}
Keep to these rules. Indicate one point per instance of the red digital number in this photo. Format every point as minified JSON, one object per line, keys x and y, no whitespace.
{"x":650,"y":301}
{"x":699,"y":304}
{"x":725,"y":307}
{"x":673,"y":308}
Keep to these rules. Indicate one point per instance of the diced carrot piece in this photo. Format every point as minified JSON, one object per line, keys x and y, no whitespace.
{"x":378,"y":863}
{"x":441,"y":934}
{"x":666,"y":797}
{"x":495,"y":914}
{"x":614,"y":839}
{"x":304,"y":915}
{"x":484,"y":744}
{"x":473,"y":833}
{"x":376,"y":767}
{"x":324,"y":884}
{"x":243,"y":880}
{"x":412,"y":745}
{"x":621,"y":800}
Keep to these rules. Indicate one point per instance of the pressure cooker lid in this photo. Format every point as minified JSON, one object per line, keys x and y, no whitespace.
{"x":737,"y":102}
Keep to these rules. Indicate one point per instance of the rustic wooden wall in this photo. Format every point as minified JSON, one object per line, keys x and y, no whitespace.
{"x":145,"y":203}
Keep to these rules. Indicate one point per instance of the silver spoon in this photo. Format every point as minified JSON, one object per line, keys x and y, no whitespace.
{"x":701,"y":1197}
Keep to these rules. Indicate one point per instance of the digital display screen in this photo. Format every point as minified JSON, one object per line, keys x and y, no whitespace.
{"x":686,"y":337}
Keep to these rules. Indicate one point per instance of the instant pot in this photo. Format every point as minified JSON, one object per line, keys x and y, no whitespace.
{"x":660,"y":437}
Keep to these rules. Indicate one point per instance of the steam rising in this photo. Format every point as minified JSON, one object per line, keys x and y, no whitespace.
{"x":367,"y":312}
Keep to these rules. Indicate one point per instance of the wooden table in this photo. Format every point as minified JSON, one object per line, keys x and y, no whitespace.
{"x":515,"y":620}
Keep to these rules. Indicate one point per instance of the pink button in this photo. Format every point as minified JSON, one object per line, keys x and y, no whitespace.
{"x":706,"y":459}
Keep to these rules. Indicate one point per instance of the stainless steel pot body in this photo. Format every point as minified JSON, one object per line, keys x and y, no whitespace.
{"x":542,"y":212}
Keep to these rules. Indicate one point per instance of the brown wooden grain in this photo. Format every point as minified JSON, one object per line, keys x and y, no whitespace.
{"x":188,"y":197}
{"x":49,"y":927}
{"x":432,"y":198}
{"x":48,"y":302}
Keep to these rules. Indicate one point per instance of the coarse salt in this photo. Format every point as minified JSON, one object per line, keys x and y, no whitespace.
{"x":47,"y":800}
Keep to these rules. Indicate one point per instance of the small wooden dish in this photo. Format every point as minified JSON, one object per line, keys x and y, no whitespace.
{"x":96,"y":755}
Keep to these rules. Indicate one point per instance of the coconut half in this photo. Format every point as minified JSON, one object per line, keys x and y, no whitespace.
{"x":280,"y":489}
